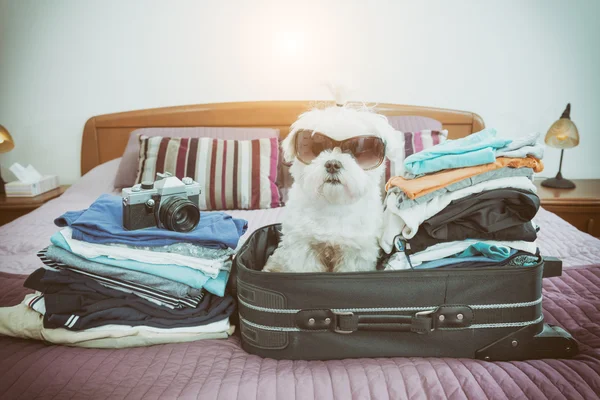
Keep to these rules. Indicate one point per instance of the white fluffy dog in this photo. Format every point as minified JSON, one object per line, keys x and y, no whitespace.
{"x":334,"y":214}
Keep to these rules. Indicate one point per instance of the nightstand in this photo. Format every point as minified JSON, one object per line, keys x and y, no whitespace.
{"x":13,"y":207}
{"x":579,"y":207}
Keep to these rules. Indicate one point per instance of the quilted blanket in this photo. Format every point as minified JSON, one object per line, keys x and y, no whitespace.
{"x":220,"y":369}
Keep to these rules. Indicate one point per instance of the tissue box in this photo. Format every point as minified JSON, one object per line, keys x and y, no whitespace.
{"x":20,"y":189}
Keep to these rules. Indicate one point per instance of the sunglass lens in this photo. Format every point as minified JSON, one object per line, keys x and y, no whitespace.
{"x":369,"y":152}
{"x":309,"y":145}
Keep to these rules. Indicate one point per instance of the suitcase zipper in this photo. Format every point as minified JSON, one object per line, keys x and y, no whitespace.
{"x":474,"y":326}
{"x":393,"y":309}
{"x":425,"y":319}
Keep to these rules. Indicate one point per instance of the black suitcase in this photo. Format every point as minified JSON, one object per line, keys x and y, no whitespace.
{"x":484,"y":313}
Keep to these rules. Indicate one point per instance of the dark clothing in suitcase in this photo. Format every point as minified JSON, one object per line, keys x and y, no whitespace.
{"x":489,"y":313}
{"x":500,"y":214}
{"x":422,"y":240}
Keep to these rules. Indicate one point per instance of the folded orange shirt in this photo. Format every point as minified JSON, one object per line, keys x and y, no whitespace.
{"x":429,"y":183}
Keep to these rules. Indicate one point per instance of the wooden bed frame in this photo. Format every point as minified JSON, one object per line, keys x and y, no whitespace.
{"x":105,"y":136}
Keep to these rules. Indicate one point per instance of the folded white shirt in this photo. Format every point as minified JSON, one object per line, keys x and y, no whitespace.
{"x":407,"y":221}
{"x":398,"y":261}
{"x":219,"y":326}
{"x":210,"y":267}
{"x":523,"y":146}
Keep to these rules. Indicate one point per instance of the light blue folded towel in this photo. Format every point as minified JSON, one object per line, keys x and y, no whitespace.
{"x":476,"y":149}
{"x":523,"y":146}
{"x":177,"y":273}
{"x":449,"y":261}
{"x":493,"y":252}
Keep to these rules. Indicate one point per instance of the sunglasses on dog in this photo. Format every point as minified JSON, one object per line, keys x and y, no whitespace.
{"x":368,"y":151}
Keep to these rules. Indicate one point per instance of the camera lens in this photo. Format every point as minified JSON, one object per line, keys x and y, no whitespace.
{"x":179,"y":214}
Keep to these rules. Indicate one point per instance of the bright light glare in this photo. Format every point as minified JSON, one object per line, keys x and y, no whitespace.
{"x":291,"y":43}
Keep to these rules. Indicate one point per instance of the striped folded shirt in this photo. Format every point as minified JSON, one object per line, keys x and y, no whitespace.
{"x":146,"y":292}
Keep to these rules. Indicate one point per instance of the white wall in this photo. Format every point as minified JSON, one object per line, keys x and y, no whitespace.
{"x":516,"y":63}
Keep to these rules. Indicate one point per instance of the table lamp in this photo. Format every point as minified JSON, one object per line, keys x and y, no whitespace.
{"x":563,"y":134}
{"x":6,"y":145}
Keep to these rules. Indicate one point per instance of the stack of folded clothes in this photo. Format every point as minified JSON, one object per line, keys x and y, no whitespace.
{"x":98,"y":276}
{"x":467,"y":202}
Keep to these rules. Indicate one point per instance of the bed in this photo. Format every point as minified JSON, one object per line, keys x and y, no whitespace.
{"x":220,"y":369}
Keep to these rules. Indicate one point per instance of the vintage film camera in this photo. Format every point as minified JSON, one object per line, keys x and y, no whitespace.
{"x":167,"y":203}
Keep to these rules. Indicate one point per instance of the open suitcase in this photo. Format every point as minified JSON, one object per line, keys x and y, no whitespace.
{"x":485,"y":313}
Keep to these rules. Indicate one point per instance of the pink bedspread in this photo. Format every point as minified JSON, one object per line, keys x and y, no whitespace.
{"x":222,"y":370}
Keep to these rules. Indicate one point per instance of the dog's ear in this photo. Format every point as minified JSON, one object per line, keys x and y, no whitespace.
{"x":393,"y":144}
{"x":391,"y":137}
{"x":288,"y":146}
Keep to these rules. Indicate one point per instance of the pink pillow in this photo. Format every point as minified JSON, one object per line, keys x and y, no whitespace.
{"x":406,"y":125}
{"x":233,"y":174}
{"x":128,"y":168}
{"x":413,"y":123}
{"x":413,"y":142}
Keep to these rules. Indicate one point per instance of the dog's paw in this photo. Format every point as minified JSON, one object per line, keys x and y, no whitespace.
{"x":273,"y":266}
{"x":356,"y":265}
{"x":272,"y":269}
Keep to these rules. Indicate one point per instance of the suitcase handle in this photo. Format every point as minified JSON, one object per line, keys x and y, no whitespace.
{"x":552,"y":267}
{"x":421,"y":322}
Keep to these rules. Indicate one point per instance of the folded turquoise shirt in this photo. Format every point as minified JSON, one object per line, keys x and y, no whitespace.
{"x":177,"y":273}
{"x":491,"y":251}
{"x":450,"y":261}
{"x":476,"y":149}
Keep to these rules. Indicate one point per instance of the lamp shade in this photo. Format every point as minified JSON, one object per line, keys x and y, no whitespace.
{"x":6,"y":141}
{"x":563,"y":134}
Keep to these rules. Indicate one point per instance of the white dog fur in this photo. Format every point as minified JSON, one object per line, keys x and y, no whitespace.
{"x":333,"y":227}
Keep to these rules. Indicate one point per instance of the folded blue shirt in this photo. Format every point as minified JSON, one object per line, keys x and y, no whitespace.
{"x":491,"y":251}
{"x":444,"y":262}
{"x":103,"y":223}
{"x":476,"y":149}
{"x":188,"y":276}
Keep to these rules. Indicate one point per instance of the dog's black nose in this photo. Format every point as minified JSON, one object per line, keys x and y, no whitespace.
{"x":333,"y":166}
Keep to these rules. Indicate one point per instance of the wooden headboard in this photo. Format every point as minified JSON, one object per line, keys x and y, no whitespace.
{"x":105,"y":136}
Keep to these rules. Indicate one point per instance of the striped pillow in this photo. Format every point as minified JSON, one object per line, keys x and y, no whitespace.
{"x":414,"y":142}
{"x":233,"y":174}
